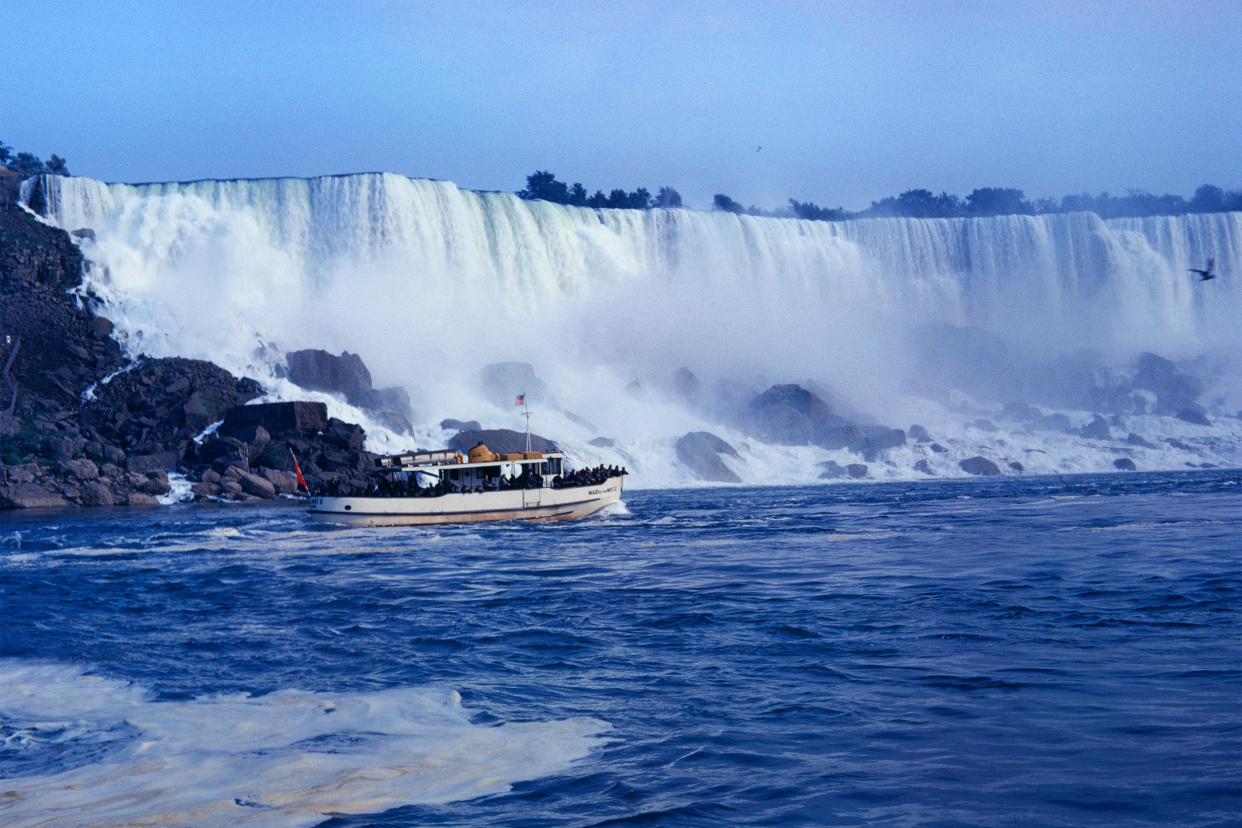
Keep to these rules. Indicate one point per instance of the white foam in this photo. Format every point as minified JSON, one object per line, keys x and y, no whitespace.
{"x":289,"y":758}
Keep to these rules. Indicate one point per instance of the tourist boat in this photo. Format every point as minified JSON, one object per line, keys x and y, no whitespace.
{"x":426,"y":487}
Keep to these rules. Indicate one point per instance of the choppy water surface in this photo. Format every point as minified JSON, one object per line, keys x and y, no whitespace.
{"x":1014,"y":652}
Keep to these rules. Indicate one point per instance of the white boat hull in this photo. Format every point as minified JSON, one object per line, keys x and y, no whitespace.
{"x":512,"y":504}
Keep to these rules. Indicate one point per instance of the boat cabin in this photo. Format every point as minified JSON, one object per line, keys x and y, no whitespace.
{"x":480,"y":468}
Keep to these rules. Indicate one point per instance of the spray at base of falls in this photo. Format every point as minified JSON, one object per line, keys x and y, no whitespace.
{"x":429,"y":283}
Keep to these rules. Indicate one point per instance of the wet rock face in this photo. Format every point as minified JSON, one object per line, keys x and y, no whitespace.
{"x":305,"y":419}
{"x":786,"y":415}
{"x":700,"y":452}
{"x":1174,"y":390}
{"x":1097,"y":429}
{"x":1124,"y":464}
{"x":501,"y":382}
{"x":1191,"y":414}
{"x":317,"y":370}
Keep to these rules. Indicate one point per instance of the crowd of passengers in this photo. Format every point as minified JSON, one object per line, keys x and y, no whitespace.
{"x":393,"y":486}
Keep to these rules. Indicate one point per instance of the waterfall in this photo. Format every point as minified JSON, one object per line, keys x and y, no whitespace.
{"x":429,"y":282}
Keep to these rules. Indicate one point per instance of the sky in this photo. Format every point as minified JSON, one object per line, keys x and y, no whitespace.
{"x":848,"y":101}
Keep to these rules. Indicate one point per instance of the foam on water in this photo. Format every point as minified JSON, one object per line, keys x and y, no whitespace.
{"x":101,"y":752}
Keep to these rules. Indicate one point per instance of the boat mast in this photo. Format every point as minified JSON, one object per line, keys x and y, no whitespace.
{"x":526,"y":405}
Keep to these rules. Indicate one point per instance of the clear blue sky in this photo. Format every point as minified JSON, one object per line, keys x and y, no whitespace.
{"x":850,"y":101}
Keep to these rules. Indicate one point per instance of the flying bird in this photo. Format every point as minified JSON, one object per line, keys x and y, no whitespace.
{"x":1204,"y":275}
{"x":758,"y":149}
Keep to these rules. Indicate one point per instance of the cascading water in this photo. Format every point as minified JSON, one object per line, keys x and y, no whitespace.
{"x":429,"y":283}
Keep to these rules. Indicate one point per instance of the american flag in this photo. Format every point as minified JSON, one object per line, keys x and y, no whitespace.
{"x":521,"y":399}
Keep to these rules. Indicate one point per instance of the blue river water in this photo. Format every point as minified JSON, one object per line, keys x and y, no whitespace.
{"x":1018,"y":652}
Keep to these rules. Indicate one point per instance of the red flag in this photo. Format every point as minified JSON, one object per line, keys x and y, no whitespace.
{"x":298,"y":471}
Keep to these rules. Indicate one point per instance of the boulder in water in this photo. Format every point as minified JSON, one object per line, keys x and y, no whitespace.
{"x":937,"y":448}
{"x":983,"y":425}
{"x":840,"y":436}
{"x":30,"y":496}
{"x":1020,"y":412}
{"x":1136,"y":440}
{"x":700,"y":452}
{"x":1018,"y":467}
{"x":603,"y":442}
{"x":1124,"y":464}
{"x":919,"y":434}
{"x":979,"y":466}
{"x":786,"y":415}
{"x":880,"y":438}
{"x":856,"y":470}
{"x":923,"y":467}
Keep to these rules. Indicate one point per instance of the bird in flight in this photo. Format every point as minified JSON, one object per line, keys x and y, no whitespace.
{"x":1204,"y":275}
{"x":758,"y":149}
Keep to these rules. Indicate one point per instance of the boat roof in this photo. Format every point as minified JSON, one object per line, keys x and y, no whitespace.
{"x":448,"y":458}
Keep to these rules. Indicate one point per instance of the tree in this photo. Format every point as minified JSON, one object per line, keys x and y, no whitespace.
{"x":618,"y":199}
{"x":597,"y":200}
{"x":578,"y":195}
{"x":667,"y":197}
{"x":811,"y":212}
{"x":997,"y":201}
{"x":5,"y":152}
{"x":1208,"y":199}
{"x":640,"y":199}
{"x":724,"y":203}
{"x":542,"y":185}
{"x":56,"y":165}
{"x":29,"y":163}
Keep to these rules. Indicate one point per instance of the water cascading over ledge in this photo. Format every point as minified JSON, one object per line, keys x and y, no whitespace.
{"x":429,"y":283}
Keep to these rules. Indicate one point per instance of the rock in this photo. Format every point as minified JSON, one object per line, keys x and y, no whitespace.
{"x":700,"y":452}
{"x":255,"y":438}
{"x":979,"y":466}
{"x":1018,"y":467}
{"x":279,"y":419}
{"x":1135,"y":440}
{"x":460,"y":425}
{"x":880,"y":438}
{"x":1178,"y":444}
{"x":154,"y":486}
{"x":258,"y":486}
{"x":114,"y":455}
{"x":919,"y":434}
{"x":603,"y":442}
{"x":317,"y":370}
{"x":140,"y":499}
{"x":392,"y":400}
{"x":205,"y":489}
{"x":344,"y":435}
{"x":871,"y":455}
{"x":95,"y":494}
{"x":1020,"y":412}
{"x":1192,"y":415}
{"x":10,"y":426}
{"x":211,"y":476}
{"x":81,"y":469}
{"x":1052,"y":422}
{"x":686,"y":384}
{"x":56,"y":449}
{"x":110,"y":470}
{"x":856,"y":470}
{"x":282,"y":482}
{"x":939,"y":449}
{"x":500,"y":441}
{"x":786,"y":415}
{"x":501,"y":382}
{"x":1117,"y":421}
{"x":832,"y":470}
{"x":29,"y":496}
{"x":1097,"y":429}
{"x":983,"y":425}
{"x":230,"y":487}
{"x":394,"y":422}
{"x":1174,"y":391}
{"x":841,"y":436}
{"x":1124,"y":463}
{"x":101,"y":328}
{"x":923,"y":467}
{"x":142,"y":463}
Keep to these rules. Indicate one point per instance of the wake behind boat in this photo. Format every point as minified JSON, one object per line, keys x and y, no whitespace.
{"x":429,"y":487}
